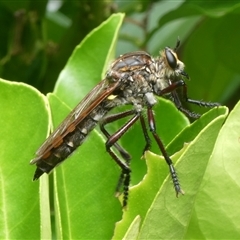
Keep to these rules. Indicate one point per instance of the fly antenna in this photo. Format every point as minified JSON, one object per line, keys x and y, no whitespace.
{"x":177,"y":44}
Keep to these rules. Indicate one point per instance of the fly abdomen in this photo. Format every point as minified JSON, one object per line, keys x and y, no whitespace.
{"x":69,"y":143}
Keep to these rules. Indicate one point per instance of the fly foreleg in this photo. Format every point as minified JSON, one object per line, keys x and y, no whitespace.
{"x":173,"y":87}
{"x":178,"y":104}
{"x":112,"y":141}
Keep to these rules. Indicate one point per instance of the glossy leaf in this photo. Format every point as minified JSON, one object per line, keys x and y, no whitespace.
{"x":174,"y":213}
{"x":22,"y":130}
{"x":87,"y":65}
{"x":143,"y":196}
{"x":216,"y":214}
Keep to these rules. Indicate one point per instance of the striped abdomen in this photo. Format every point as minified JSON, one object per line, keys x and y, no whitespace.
{"x":69,"y":143}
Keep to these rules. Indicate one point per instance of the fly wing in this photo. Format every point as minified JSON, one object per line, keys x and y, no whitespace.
{"x":88,"y":103}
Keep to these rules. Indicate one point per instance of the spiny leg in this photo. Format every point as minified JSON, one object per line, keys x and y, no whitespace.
{"x":125,"y":175}
{"x":145,"y":133}
{"x":172,"y":89}
{"x":196,"y":102}
{"x":178,"y":104}
{"x":172,"y":170}
{"x":126,"y":156}
{"x":112,"y":118}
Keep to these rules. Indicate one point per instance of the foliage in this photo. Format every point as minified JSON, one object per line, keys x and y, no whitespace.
{"x":80,"y":193}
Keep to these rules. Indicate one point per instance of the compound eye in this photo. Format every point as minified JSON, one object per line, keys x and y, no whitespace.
{"x":171,"y":59}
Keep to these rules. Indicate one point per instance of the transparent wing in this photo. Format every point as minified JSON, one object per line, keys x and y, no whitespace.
{"x":88,"y":103}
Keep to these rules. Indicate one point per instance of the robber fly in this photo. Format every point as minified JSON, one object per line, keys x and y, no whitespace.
{"x":134,"y":79}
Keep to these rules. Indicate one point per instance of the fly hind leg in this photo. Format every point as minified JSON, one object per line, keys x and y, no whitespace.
{"x":124,"y":178}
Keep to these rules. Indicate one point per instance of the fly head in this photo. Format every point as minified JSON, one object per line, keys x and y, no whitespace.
{"x":176,"y":67}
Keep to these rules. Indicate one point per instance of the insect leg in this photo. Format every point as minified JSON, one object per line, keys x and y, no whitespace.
{"x":197,"y":102}
{"x":112,"y":118}
{"x":175,"y":85}
{"x":117,"y":116}
{"x":125,"y":175}
{"x":145,"y":133}
{"x":173,"y":173}
{"x":178,"y":104}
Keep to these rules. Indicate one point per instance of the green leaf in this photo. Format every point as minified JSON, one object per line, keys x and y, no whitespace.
{"x":87,"y":65}
{"x":218,"y":77}
{"x":216,"y":213}
{"x":176,"y":19}
{"x":133,"y":230}
{"x":45,"y":209}
{"x":143,"y":196}
{"x":22,"y":129}
{"x":190,"y":8}
{"x":190,"y":132}
{"x":168,"y":217}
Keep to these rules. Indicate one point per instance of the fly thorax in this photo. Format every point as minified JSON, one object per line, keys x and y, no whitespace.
{"x":160,"y":77}
{"x":114,"y":101}
{"x":138,"y":86}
